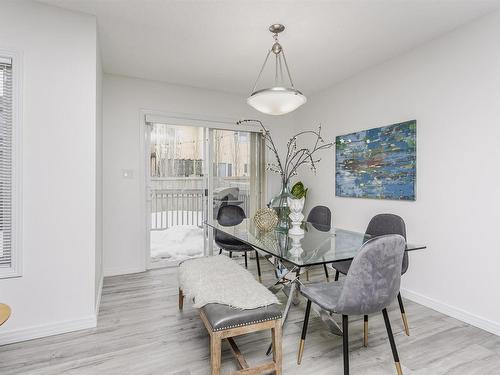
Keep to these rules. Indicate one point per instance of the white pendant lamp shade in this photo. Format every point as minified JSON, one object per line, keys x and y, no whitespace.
{"x":276,"y":101}
{"x":280,"y":98}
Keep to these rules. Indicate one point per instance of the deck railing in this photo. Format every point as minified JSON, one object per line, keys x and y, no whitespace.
{"x":171,"y":207}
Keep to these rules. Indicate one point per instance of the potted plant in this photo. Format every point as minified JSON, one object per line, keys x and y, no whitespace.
{"x":296,"y":157}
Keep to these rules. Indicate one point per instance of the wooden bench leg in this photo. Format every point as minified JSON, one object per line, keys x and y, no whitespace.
{"x":215,"y":352}
{"x":277,"y":355}
{"x":181,"y":299}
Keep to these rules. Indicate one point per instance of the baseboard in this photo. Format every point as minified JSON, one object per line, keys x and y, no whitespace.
{"x":35,"y":332}
{"x":99,"y":295}
{"x":454,"y":312}
{"x":122,"y":271}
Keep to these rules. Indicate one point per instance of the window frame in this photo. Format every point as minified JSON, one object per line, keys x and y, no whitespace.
{"x":15,"y":270}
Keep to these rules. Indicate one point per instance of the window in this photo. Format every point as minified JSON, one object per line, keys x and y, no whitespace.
{"x":9,"y":189}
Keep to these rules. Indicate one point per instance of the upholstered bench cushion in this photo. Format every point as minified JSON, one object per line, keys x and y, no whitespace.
{"x":223,"y":317}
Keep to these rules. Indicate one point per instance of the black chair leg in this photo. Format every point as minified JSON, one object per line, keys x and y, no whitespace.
{"x":337,"y":274}
{"x":304,"y":332}
{"x":258,"y":264}
{"x":391,"y":340}
{"x":403,"y":315}
{"x":230,"y":254}
{"x":220,"y":251}
{"x":345,"y":342}
{"x":246,"y":260}
{"x":365,"y":331}
{"x":326,"y":272}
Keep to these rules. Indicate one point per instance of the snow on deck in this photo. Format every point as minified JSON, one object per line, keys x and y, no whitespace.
{"x":177,"y":243}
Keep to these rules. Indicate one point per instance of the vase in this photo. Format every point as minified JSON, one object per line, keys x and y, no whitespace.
{"x":280,"y":204}
{"x":296,"y":206}
{"x":296,"y":248}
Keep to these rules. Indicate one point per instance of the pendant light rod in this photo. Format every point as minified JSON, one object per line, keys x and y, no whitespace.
{"x":261,"y":70}
{"x":278,"y":50}
{"x":287,"y":70}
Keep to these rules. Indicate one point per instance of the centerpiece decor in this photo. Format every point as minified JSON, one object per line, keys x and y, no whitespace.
{"x":296,"y":215}
{"x":265,"y":219}
{"x":295,"y":158}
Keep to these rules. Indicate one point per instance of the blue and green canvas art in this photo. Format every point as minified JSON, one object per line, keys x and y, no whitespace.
{"x":377,"y":163}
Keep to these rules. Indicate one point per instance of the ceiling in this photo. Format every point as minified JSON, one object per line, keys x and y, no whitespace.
{"x":221,"y":45}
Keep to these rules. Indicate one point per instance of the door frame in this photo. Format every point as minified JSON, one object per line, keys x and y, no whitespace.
{"x":209,"y":123}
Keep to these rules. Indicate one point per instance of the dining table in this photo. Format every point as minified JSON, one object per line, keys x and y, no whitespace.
{"x":292,"y":254}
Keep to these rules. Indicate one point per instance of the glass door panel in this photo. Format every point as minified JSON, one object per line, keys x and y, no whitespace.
{"x":237,"y":173}
{"x":177,"y":193}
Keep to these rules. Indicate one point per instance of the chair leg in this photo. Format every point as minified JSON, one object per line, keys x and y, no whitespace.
{"x":220,"y":251}
{"x":277,"y":353}
{"x":181,"y":299}
{"x":304,"y":332}
{"x":345,"y":342}
{"x":215,"y":353}
{"x":258,"y":265}
{"x":391,"y":340}
{"x":326,"y":272}
{"x":337,"y":274}
{"x":230,"y":254}
{"x":365,"y":331}
{"x":403,"y":315}
{"x":246,"y":260}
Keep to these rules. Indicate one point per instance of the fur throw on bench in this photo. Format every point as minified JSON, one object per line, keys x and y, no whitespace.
{"x":218,"y":279}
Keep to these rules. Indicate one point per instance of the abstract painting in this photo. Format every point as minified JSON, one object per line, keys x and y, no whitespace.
{"x":378,"y":163}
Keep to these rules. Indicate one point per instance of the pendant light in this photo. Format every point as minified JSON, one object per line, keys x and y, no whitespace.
{"x":281,"y":98}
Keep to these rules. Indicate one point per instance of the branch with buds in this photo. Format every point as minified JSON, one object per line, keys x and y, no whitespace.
{"x":295,"y":157}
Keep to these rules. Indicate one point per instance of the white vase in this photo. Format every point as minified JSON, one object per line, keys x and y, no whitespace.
{"x":296,"y":250}
{"x":296,"y":206}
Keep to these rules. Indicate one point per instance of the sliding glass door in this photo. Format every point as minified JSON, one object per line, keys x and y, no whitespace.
{"x":236,"y":170}
{"x":191,"y":172}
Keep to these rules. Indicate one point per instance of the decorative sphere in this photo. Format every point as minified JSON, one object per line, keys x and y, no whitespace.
{"x":265,"y":219}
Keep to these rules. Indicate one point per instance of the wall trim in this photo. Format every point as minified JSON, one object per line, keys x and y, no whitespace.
{"x":99,"y":296}
{"x":122,"y":271}
{"x":50,"y":329}
{"x":453,"y":311}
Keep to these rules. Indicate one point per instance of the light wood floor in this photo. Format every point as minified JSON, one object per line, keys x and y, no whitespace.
{"x":140,"y":331}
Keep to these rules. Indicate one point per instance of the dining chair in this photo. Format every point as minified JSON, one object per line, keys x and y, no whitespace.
{"x":372,"y":283}
{"x":228,"y":216}
{"x":380,"y":225}
{"x":320,"y":218}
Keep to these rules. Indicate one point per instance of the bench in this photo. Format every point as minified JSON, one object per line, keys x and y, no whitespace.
{"x":225,"y":322}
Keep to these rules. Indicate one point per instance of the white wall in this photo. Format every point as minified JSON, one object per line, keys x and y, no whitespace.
{"x":451,"y":86}
{"x":56,"y":292}
{"x":124,"y":222}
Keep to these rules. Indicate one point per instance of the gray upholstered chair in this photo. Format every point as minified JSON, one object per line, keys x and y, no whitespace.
{"x":320,"y":218}
{"x":380,"y":225}
{"x":372,"y":283}
{"x":228,"y":216}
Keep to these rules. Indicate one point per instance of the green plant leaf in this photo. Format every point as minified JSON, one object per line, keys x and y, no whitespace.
{"x":298,"y":190}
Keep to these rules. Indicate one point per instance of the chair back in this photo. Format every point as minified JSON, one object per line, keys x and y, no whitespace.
{"x":321,"y":218}
{"x":383,"y":224}
{"x":374,"y":277}
{"x":228,"y":216}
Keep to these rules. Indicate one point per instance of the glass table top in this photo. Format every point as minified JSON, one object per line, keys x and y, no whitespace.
{"x":316,"y":246}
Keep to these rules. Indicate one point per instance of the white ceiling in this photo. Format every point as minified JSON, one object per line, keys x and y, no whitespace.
{"x":221,"y":44}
